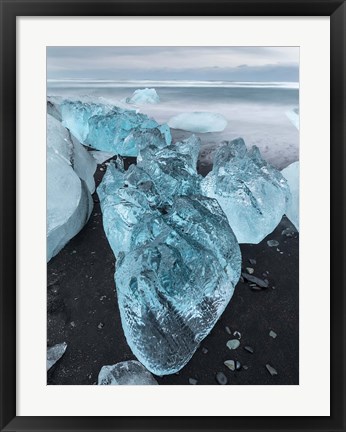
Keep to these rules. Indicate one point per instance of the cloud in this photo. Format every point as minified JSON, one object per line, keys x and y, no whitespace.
{"x":169,"y":62}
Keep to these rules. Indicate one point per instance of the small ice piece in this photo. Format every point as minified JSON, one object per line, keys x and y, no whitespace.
{"x":70,"y":183}
{"x":251,"y":192}
{"x":144,"y":96}
{"x":200,"y":122}
{"x":55,"y":353}
{"x":233,"y":344}
{"x":293,"y":116}
{"x":272,"y":243}
{"x":291,"y":174}
{"x":272,"y":334}
{"x":271,"y":370}
{"x":126,"y":373}
{"x":101,"y":156}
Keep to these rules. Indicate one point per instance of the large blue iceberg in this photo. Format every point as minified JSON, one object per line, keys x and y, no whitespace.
{"x":251,"y":192}
{"x":113,"y":129}
{"x":178,"y":260}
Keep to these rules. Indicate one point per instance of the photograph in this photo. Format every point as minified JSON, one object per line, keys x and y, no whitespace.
{"x":172,"y":215}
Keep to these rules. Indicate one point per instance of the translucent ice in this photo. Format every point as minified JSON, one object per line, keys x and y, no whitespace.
{"x":113,"y":129}
{"x":293,"y":116}
{"x":176,"y":281}
{"x":55,"y":353}
{"x":69,"y":185}
{"x":198,"y":122}
{"x":291,"y":174}
{"x":252,"y":193}
{"x":144,"y":96}
{"x":75,"y":116}
{"x":159,"y":176}
{"x":126,"y":373}
{"x":178,"y":260}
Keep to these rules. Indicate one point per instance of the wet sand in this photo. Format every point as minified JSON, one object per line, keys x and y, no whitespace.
{"x":83,"y":312}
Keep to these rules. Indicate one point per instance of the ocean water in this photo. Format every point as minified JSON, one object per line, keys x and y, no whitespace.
{"x":254,"y":111}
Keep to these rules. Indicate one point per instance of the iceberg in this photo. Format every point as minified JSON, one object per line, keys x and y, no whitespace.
{"x":178,"y":260}
{"x":70,"y":183}
{"x":198,"y":122}
{"x":126,"y":373}
{"x":113,"y":129}
{"x":251,"y":192}
{"x":55,"y":353}
{"x":291,"y":174}
{"x":144,"y":96}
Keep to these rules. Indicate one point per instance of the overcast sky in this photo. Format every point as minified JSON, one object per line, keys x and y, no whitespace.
{"x":170,"y":63}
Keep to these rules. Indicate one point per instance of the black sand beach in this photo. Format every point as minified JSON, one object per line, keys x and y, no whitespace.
{"x":83,"y":312}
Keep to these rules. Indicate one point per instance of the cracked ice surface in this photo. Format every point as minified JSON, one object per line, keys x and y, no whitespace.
{"x":126,"y":373}
{"x":251,"y":192}
{"x":291,"y":174}
{"x":70,"y":183}
{"x":144,"y":96}
{"x":113,"y":129}
{"x":178,"y":259}
{"x":200,"y":122}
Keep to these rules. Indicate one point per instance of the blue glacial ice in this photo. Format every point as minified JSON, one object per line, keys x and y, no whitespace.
{"x":113,"y":129}
{"x":126,"y":373}
{"x":251,"y":192}
{"x":55,"y":353}
{"x":144,"y":96}
{"x":70,"y":183}
{"x":198,"y":122}
{"x":178,"y":260}
{"x":291,"y":174}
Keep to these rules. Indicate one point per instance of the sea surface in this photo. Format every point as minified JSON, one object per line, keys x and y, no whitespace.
{"x":254,"y":111}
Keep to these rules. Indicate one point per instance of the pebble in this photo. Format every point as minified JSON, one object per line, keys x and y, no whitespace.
{"x":260,"y":282}
{"x":252,"y":261}
{"x":271,"y":370}
{"x":272,"y":334}
{"x":230,"y":364}
{"x":221,"y":378}
{"x":193,"y":381}
{"x":233,"y":344}
{"x":245,"y":367}
{"x":238,"y":365}
{"x":272,"y":243}
{"x":255,"y":287}
{"x":249,"y":349}
{"x":101,"y":325}
{"x":205,"y":350}
{"x":250,"y":270}
{"x":228,"y":330}
{"x":241,"y":279}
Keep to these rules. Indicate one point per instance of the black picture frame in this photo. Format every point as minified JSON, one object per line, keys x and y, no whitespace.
{"x":10,"y":9}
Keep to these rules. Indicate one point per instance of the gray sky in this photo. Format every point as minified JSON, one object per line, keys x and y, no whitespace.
{"x":170,"y":63}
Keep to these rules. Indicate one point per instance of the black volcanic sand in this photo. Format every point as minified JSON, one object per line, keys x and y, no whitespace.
{"x":83,"y":312}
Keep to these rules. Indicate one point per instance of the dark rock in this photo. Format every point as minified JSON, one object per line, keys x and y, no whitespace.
{"x":260,"y":282}
{"x":221,"y":378}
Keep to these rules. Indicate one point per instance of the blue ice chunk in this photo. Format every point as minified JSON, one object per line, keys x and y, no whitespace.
{"x":144,"y":96}
{"x":291,"y":174}
{"x":251,"y":192}
{"x":126,"y":373}
{"x":178,"y":260}
{"x":113,"y":129}
{"x":176,"y":281}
